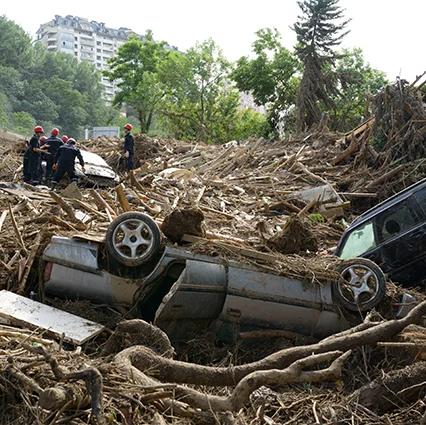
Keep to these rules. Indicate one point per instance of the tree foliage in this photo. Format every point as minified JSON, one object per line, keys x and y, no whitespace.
{"x":317,"y":36}
{"x":50,"y":89}
{"x":137,"y":71}
{"x":204,"y":103}
{"x":271,"y":77}
{"x":351,"y":106}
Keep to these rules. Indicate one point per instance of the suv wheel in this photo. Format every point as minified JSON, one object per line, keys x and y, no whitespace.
{"x":133,"y":239}
{"x":363,"y":285}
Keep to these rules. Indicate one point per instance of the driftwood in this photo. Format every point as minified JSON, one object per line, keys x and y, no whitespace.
{"x":239,"y":397}
{"x":397,"y":388}
{"x":17,"y":232}
{"x":102,"y":203}
{"x":121,"y":196}
{"x":32,"y":255}
{"x":68,"y":209}
{"x":367,"y":334}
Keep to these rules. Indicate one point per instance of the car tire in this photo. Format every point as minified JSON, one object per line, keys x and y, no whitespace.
{"x":133,"y":239}
{"x":363,"y":285}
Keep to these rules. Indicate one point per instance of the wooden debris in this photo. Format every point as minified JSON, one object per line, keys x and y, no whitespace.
{"x":124,"y":203}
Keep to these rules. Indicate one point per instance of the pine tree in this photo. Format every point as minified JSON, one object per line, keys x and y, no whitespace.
{"x":317,"y":36}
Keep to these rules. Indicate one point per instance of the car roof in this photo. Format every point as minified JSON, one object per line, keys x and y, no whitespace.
{"x":403,"y":194}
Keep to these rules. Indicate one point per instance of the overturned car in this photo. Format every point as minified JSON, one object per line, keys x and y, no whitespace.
{"x":98,"y":172}
{"x":184,"y":293}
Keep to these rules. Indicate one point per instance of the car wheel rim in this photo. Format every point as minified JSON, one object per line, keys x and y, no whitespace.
{"x":360,"y":286}
{"x":133,"y":239}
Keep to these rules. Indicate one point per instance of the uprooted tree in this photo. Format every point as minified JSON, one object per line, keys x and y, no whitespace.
{"x":136,"y":364}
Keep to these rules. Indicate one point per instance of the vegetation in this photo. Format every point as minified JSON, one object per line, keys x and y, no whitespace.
{"x":317,"y":36}
{"x":38,"y":87}
{"x":194,"y":95}
{"x":271,"y":77}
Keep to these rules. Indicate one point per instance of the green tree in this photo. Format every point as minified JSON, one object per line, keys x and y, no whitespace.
{"x":271,"y":77}
{"x":201,"y":102}
{"x":16,"y":50}
{"x":350,"y":107}
{"x":135,"y":68}
{"x":317,"y":36}
{"x":249,"y":123}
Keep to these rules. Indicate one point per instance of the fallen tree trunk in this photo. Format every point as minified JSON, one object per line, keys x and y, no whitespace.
{"x":370,"y":333}
{"x":393,"y":390}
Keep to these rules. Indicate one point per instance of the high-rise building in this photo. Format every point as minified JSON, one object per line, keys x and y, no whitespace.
{"x":86,"y":41}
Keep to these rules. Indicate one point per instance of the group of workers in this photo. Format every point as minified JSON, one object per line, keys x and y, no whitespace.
{"x":60,"y":154}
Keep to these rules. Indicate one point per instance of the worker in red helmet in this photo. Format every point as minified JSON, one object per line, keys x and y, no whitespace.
{"x":129,"y":147}
{"x":32,"y":158}
{"x":64,"y":138}
{"x":53,"y":143}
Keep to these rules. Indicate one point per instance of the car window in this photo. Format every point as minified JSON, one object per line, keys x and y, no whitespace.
{"x":359,"y":241}
{"x":396,"y":220}
{"x":421,"y":198}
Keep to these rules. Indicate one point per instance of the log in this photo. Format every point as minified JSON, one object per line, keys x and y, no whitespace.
{"x":385,"y":176}
{"x":90,"y":209}
{"x":16,"y":229}
{"x":277,"y":333}
{"x":395,"y":389}
{"x":300,"y":166}
{"x":68,"y":209}
{"x":122,"y":199}
{"x":251,"y":253}
{"x":101,"y":202}
{"x":38,"y":241}
{"x":366,"y":334}
{"x":135,"y":183}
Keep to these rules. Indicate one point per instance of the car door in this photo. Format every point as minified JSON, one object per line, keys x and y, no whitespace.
{"x":401,"y":231}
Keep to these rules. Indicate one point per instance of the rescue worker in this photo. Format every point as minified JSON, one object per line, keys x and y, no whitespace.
{"x":129,"y":147}
{"x":32,"y":158}
{"x":64,"y":138}
{"x":53,"y":144}
{"x":64,"y":162}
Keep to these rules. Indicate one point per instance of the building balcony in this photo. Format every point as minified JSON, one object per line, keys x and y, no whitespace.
{"x":86,"y":42}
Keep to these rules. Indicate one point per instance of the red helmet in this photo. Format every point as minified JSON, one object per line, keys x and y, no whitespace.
{"x":43,"y":138}
{"x":38,"y":129}
{"x":128,"y":127}
{"x":64,"y":138}
{"x":54,"y":132}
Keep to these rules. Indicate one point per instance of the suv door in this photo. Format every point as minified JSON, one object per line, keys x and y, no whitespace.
{"x":401,"y":231}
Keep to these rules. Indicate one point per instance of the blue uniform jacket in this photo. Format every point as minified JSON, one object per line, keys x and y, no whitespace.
{"x":66,"y":155}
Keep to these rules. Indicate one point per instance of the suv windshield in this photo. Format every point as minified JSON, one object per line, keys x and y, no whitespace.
{"x":359,"y":241}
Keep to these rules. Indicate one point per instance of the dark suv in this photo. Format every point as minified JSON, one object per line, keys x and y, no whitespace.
{"x":393,"y":235}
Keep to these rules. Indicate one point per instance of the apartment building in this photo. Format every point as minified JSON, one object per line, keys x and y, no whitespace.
{"x":86,"y":41}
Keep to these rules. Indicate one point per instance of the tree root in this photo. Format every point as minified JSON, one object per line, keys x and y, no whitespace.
{"x":55,"y":398}
{"x":253,"y":381}
{"x":167,"y":370}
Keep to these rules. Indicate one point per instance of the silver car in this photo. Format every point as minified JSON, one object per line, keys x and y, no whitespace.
{"x":183,"y":293}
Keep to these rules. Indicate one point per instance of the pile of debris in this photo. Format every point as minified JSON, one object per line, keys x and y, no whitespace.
{"x":275,"y":205}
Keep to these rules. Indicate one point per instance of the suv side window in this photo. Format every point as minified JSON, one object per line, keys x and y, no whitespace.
{"x":396,"y":220}
{"x":359,"y":241}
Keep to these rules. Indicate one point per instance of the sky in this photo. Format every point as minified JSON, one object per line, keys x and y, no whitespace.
{"x":390,"y":36}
